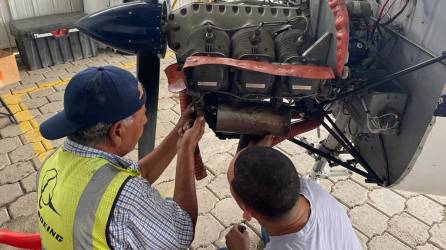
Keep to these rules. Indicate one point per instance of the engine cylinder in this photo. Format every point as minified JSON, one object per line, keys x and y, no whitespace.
{"x":205,"y":40}
{"x":290,"y":45}
{"x":253,"y":44}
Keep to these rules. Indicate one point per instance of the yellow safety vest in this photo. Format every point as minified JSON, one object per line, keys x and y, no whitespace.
{"x":75,"y":198}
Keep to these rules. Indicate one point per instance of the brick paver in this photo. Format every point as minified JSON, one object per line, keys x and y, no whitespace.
{"x":387,"y":201}
{"x":382,"y":218}
{"x":24,"y":206}
{"x":4,"y":161}
{"x":35,"y":103}
{"x":16,"y":172}
{"x":350,"y":193}
{"x":9,"y":144}
{"x":368,"y":220}
{"x":9,"y":192}
{"x":387,"y":241}
{"x":15,"y":130}
{"x":4,"y":217}
{"x":425,"y":209}
{"x":227,"y":212}
{"x":22,"y":153}
{"x":208,"y":231}
{"x":409,"y":229}
{"x":52,"y":107}
{"x":220,"y":187}
{"x":206,"y":200}
{"x":438,"y":233}
{"x":427,"y":247}
{"x":29,"y":183}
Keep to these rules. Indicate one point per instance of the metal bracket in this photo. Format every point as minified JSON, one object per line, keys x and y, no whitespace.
{"x":318,"y":52}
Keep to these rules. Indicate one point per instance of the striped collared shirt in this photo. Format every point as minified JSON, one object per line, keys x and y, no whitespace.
{"x":141,"y":218}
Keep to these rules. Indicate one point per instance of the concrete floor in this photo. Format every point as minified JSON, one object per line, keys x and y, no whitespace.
{"x":382,"y":218}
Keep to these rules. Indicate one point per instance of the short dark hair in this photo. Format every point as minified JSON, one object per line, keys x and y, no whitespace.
{"x":266,"y":180}
{"x":92,"y":135}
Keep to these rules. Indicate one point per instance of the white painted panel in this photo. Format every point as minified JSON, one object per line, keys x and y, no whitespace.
{"x":93,"y":6}
{"x":428,"y":175}
{"x":115,"y":2}
{"x":6,"y":40}
{"x":61,"y":6}
{"x":77,"y":5}
{"x":30,"y":8}
{"x":43,"y":7}
{"x":21,"y":9}
{"x":97,"y":5}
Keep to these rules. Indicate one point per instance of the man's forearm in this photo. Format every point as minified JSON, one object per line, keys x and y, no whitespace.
{"x":153,"y":165}
{"x":185,"y":192}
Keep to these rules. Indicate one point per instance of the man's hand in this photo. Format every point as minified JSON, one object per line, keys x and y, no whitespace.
{"x":185,"y":192}
{"x":236,"y":240}
{"x":186,"y":116}
{"x":190,"y":135}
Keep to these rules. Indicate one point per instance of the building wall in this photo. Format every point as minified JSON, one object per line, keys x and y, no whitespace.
{"x":18,"y":9}
{"x":4,"y":25}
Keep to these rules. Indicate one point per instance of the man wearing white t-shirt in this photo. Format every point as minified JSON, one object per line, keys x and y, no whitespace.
{"x":295,"y":212}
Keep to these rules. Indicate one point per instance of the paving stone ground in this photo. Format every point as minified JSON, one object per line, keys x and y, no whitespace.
{"x":382,"y":218}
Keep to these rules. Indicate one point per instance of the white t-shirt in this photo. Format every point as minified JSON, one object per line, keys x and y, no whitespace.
{"x":327,"y":228}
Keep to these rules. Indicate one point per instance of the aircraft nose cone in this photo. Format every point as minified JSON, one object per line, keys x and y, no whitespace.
{"x":132,"y":27}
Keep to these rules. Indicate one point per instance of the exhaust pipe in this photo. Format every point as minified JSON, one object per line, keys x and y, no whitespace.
{"x":252,"y":120}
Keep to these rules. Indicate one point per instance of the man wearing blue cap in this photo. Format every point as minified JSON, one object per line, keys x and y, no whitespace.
{"x":89,"y":197}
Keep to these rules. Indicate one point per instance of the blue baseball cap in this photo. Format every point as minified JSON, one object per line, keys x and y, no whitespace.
{"x":97,"y":94}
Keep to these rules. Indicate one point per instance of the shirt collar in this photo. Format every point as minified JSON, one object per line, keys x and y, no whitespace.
{"x":89,"y":152}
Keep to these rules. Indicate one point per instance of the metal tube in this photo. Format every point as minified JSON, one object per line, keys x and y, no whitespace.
{"x":298,"y":128}
{"x":405,"y":38}
{"x":253,"y":120}
{"x":352,"y":151}
{"x":329,"y":157}
{"x":369,"y":84}
{"x":148,"y":71}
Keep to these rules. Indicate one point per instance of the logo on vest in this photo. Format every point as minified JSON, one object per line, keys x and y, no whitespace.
{"x":49,"y":183}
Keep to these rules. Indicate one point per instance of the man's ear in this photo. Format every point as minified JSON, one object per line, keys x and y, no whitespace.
{"x":247,"y":213}
{"x":115,"y":133}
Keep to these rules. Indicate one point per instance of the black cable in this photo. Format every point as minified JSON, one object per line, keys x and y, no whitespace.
{"x":376,"y":24}
{"x":396,"y":15}
{"x":388,"y":9}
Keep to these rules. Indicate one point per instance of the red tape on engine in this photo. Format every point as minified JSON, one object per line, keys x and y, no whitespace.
{"x":302,"y":71}
{"x":342,"y":33}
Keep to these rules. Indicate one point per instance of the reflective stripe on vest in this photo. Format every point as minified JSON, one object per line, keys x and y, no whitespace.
{"x":88,"y":204}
